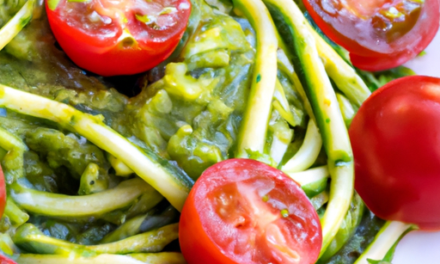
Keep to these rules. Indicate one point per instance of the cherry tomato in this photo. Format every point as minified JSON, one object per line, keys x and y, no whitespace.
{"x":2,"y":192}
{"x":6,"y":260}
{"x":118,"y":37}
{"x":243,"y":211}
{"x":379,"y":34}
{"x":396,"y":145}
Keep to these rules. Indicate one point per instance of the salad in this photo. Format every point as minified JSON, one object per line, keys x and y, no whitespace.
{"x":217,"y":131}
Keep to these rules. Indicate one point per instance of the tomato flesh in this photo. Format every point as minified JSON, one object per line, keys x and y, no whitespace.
{"x":243,"y":211}
{"x":379,"y":34}
{"x":118,"y":37}
{"x":396,"y":145}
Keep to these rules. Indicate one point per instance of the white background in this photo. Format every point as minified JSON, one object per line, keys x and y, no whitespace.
{"x":422,"y":247}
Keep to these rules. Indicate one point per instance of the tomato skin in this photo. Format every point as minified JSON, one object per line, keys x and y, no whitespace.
{"x":203,"y":231}
{"x":108,"y":56}
{"x":396,"y":144}
{"x":369,"y":50}
{"x":379,"y":63}
{"x":202,"y":249}
{"x":2,"y":192}
{"x":6,"y":260}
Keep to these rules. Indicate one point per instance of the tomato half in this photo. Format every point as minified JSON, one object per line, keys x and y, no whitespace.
{"x":118,"y":37}
{"x":2,"y":192}
{"x":379,"y":34}
{"x":243,"y":211}
{"x":396,"y":145}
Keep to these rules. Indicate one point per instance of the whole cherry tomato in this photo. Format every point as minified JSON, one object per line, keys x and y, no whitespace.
{"x":118,"y":37}
{"x":243,"y":211}
{"x":396,"y":145}
{"x":379,"y":34}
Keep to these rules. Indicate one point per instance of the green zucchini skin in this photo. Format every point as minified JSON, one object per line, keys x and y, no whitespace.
{"x":296,"y":33}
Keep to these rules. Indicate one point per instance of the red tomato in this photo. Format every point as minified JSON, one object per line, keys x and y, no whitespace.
{"x":243,"y":211}
{"x":118,"y":37}
{"x":2,"y":192}
{"x":5,"y":260}
{"x":379,"y":34}
{"x":396,"y":145}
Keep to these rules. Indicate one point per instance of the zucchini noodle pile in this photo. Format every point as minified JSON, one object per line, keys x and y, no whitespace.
{"x":96,"y":177}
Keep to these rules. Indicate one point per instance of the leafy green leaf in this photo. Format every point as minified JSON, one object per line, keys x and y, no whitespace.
{"x":378,"y":79}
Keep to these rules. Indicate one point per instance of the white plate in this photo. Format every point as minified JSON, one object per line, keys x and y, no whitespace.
{"x":422,"y":247}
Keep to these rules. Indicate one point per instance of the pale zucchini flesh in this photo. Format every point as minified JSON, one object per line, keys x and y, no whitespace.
{"x":252,"y":136}
{"x":299,"y":39}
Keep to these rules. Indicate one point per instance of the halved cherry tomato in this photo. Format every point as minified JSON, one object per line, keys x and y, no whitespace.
{"x":2,"y":192}
{"x":6,"y":260}
{"x":243,"y":211}
{"x":396,"y":145}
{"x":379,"y":34}
{"x":118,"y":37}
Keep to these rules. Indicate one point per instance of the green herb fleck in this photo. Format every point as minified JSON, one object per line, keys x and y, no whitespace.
{"x":421,"y":54}
{"x":258,"y":78}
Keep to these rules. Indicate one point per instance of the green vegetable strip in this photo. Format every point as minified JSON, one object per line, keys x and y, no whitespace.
{"x":6,"y":244}
{"x":127,"y":229}
{"x":14,"y":213}
{"x":346,"y":108}
{"x":13,"y":160}
{"x":59,"y":205}
{"x":16,"y":23}
{"x":391,"y":232}
{"x":285,"y":65}
{"x":152,"y":241}
{"x":279,"y":147}
{"x":9,"y":141}
{"x":282,"y":105}
{"x":160,"y":258}
{"x":308,"y":152}
{"x":2,"y":153}
{"x":254,"y":125}
{"x":297,"y":35}
{"x":340,"y":71}
{"x":33,"y":240}
{"x":120,"y":168}
{"x":313,"y":181}
{"x":310,"y":176}
{"x":149,"y":258}
{"x":57,"y":259}
{"x":348,"y":228}
{"x":143,"y":223}
{"x":319,"y":200}
{"x":172,"y":184}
